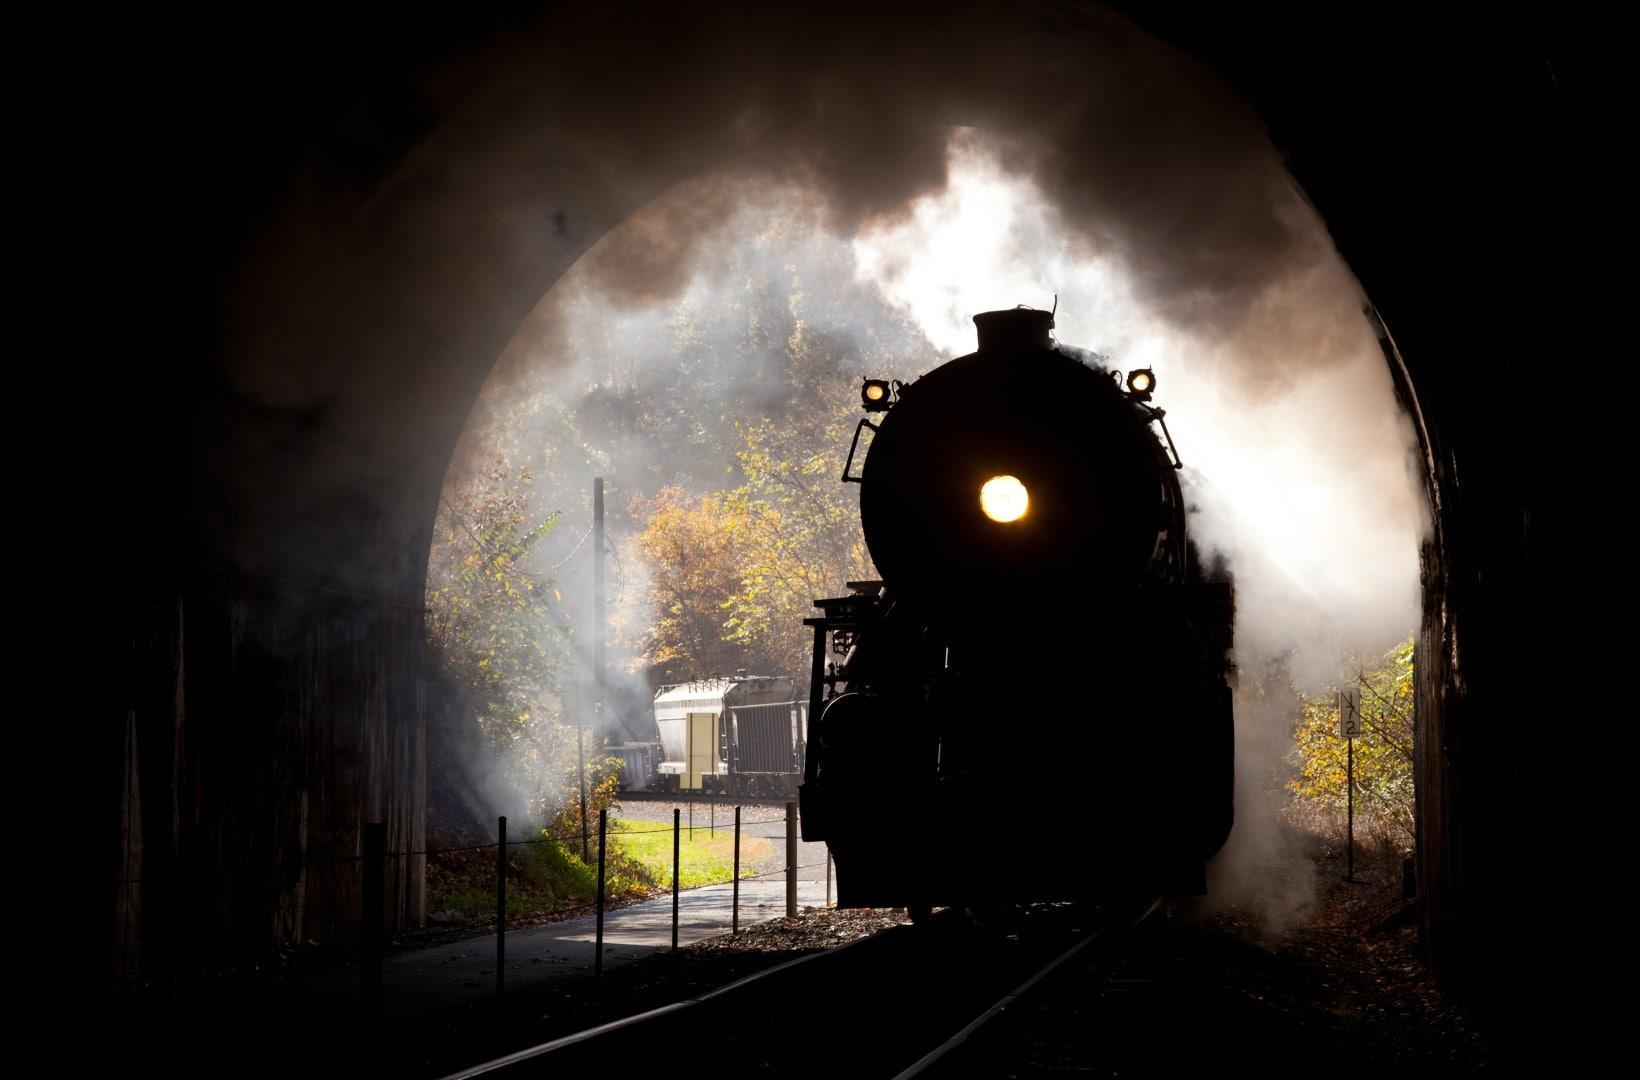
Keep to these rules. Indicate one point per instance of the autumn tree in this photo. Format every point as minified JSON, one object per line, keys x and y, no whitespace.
{"x":1384,"y":801}
{"x":695,"y":548}
{"x":802,"y":537}
{"x":496,"y":626}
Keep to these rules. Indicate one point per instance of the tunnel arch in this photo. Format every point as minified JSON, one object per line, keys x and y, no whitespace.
{"x":300,"y":415}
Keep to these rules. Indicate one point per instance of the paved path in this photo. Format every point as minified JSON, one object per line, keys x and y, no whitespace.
{"x":427,"y":981}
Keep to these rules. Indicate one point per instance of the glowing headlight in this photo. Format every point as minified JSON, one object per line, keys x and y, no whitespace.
{"x":1141,"y":382}
{"x":1004,"y":498}
{"x":874,"y":395}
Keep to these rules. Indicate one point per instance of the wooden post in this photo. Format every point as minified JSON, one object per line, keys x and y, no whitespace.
{"x":370,"y":924}
{"x":501,"y":910}
{"x":828,"y":877}
{"x":1349,"y":782}
{"x":1349,"y":726}
{"x":676,"y":830}
{"x":603,"y":833}
{"x":734,"y":914}
{"x":791,"y":860}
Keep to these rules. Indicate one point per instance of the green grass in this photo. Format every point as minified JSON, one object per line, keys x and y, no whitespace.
{"x":702,"y":860}
{"x":547,"y":880}
{"x":543,"y":880}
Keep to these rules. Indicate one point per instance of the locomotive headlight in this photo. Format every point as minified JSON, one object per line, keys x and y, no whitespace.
{"x":874,"y":395}
{"x":1004,"y":498}
{"x":1141,"y":382}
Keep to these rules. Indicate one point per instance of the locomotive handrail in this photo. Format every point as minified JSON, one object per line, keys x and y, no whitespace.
{"x":848,"y":466}
{"x":1159,"y":415}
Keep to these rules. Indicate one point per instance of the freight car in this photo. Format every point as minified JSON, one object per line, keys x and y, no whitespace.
{"x":1043,"y":673}
{"x":741,"y":735}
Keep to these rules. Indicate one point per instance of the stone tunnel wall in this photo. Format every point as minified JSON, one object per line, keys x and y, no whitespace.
{"x":1455,"y":160}
{"x":267,"y":723}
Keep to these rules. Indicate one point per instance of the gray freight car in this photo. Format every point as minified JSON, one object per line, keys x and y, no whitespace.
{"x":741,"y":735}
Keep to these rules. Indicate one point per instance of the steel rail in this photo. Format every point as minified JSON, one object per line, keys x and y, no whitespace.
{"x":575,"y":1039}
{"x":1012,"y":997}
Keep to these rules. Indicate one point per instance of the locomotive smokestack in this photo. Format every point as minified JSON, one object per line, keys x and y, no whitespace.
{"x":1014,"y":328}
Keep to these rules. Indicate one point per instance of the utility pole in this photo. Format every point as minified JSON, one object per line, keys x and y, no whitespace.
{"x":597,"y":658}
{"x":598,"y":611}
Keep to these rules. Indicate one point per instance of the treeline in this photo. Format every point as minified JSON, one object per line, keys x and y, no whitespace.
{"x":719,"y":420}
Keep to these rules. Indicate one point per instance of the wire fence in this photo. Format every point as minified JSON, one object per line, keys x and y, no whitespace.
{"x":565,"y":839}
{"x":374,"y":860}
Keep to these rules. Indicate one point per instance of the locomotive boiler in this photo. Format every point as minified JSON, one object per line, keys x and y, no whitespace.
{"x":1033,"y":703}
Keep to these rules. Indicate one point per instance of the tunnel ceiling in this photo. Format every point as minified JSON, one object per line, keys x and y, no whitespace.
{"x":347,"y":228}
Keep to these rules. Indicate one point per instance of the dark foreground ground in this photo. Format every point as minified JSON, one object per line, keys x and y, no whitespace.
{"x":1341,"y":992}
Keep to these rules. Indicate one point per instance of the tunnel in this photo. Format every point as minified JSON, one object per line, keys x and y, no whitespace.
{"x":314,"y":225}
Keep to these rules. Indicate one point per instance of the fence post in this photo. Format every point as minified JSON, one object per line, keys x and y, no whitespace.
{"x":791,"y":860}
{"x":603,"y":834}
{"x":828,"y":877}
{"x":675,"y":830}
{"x":501,"y":910}
{"x":734,"y":916}
{"x":370,"y":924}
{"x":581,"y":766}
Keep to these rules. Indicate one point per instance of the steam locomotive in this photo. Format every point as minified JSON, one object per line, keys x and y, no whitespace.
{"x":1033,"y":703}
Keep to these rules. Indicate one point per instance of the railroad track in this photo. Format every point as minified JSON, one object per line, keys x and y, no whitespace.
{"x":964,"y":1054}
{"x":909,"y":1002}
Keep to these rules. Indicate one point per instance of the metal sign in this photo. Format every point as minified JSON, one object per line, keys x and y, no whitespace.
{"x":1349,"y":713}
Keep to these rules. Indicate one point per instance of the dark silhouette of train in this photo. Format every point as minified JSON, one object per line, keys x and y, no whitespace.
{"x":1034,"y":702}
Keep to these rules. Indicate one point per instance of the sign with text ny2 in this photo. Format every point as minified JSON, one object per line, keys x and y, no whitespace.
{"x":1349,"y":712}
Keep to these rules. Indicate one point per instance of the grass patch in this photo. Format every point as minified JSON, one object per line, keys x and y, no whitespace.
{"x":544,"y":881}
{"x":549,"y":880}
{"x":702,"y":860}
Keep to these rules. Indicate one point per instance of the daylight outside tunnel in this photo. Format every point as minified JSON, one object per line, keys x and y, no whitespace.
{"x":534,"y":362}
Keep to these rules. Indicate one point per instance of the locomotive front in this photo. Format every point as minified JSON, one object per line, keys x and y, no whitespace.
{"x":1022,"y":474}
{"x":1041,"y":640}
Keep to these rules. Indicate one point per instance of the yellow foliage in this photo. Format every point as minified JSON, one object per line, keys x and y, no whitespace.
{"x":734,"y":573}
{"x":1384,"y":801}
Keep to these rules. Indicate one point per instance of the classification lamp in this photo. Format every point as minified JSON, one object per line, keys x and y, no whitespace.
{"x":876,"y":395}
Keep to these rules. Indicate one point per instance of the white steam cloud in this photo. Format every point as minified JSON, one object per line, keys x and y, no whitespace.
{"x":1299,"y":464}
{"x":1303,"y":479}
